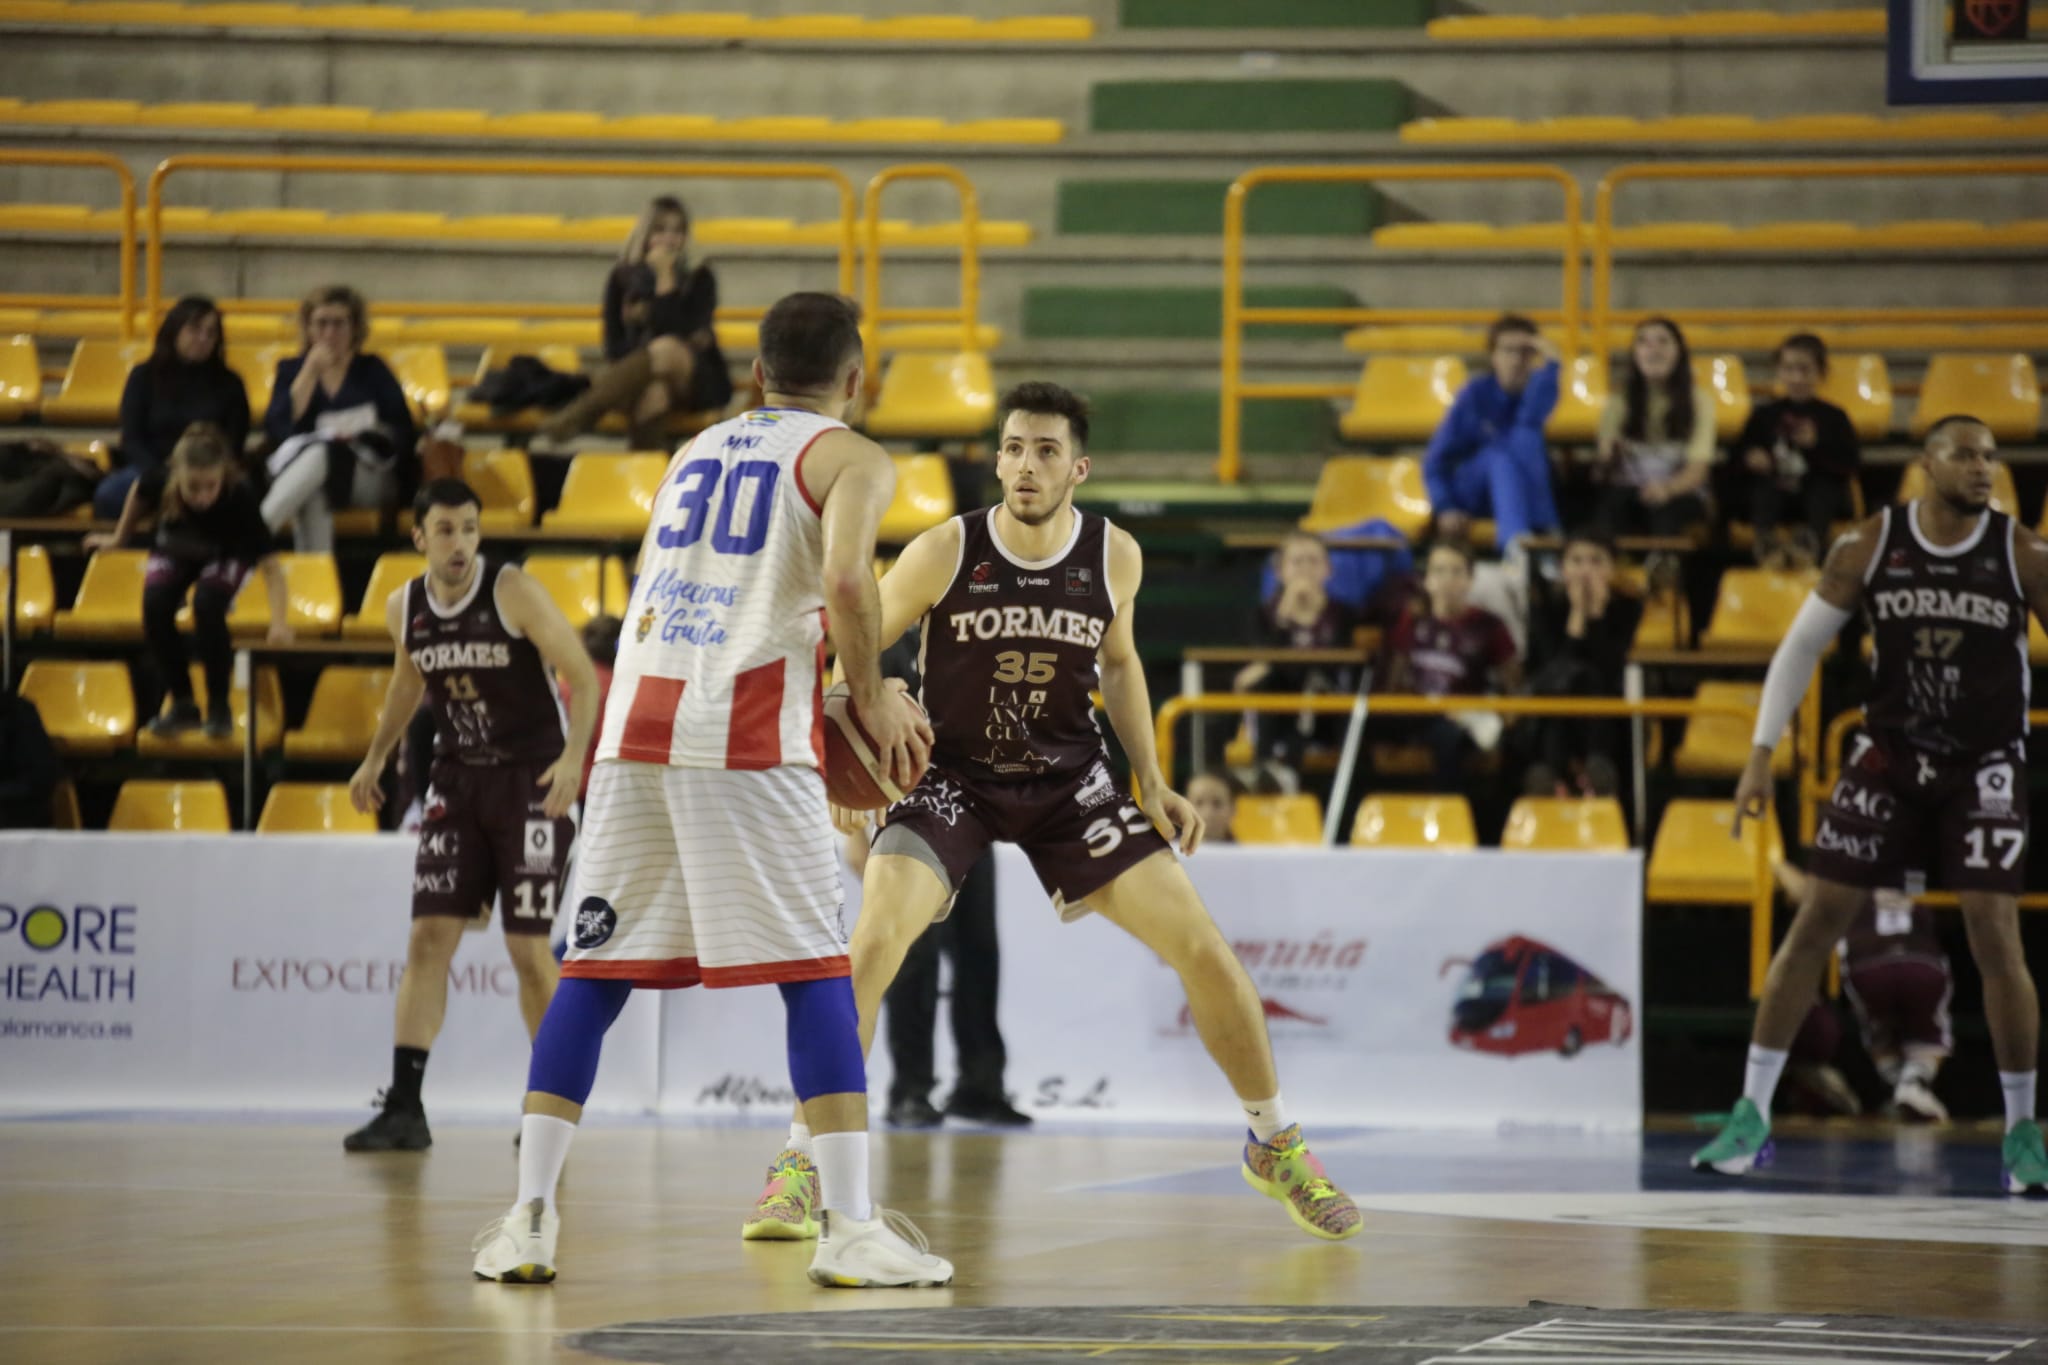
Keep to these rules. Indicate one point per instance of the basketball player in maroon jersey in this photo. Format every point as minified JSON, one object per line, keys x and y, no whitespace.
{"x":476,"y":639}
{"x":1936,"y":783}
{"x":1025,"y":605}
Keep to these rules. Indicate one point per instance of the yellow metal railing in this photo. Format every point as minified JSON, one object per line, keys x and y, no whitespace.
{"x":10,"y":156}
{"x":849,"y":227}
{"x":873,"y":312}
{"x":1236,"y":317}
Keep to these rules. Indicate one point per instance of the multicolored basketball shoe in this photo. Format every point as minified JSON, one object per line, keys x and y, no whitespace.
{"x":2026,"y":1161}
{"x":1743,"y":1144}
{"x":787,"y":1210}
{"x":1283,"y":1169}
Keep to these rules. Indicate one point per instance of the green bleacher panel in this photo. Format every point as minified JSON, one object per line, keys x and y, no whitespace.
{"x":1292,"y":14}
{"x":1166,"y":311}
{"x":1249,"y":106}
{"x":1167,"y":420}
{"x":1195,"y":208}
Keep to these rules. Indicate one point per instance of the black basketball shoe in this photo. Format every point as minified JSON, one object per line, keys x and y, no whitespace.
{"x":996,"y":1111}
{"x":393,"y":1130}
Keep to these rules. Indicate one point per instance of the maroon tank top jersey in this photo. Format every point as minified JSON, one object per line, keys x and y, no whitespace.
{"x":1008,"y":655}
{"x":492,"y":697}
{"x":1950,"y":628}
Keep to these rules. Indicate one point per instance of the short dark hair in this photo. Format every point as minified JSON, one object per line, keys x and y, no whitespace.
{"x":601,"y":637}
{"x":1455,"y":546}
{"x":442,"y":493}
{"x":1807,"y":342}
{"x":1047,"y":400}
{"x":1598,"y":536}
{"x":1508,"y":324}
{"x":1955,"y":419}
{"x":806,"y":338}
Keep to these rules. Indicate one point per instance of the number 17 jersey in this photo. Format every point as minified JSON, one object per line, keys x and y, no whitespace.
{"x":722,"y":653}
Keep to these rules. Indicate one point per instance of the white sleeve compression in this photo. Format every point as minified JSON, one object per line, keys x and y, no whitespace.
{"x":1813,"y":629}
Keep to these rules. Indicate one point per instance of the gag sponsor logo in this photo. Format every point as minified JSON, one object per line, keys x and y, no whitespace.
{"x":69,"y":946}
{"x":358,"y":976}
{"x":1863,"y":848}
{"x":439,"y":846}
{"x":1858,"y":800}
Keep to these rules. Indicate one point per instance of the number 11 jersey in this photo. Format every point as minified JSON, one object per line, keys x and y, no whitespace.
{"x":722,"y":653}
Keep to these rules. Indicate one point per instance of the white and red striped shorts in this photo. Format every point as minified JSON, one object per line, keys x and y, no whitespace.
{"x":689,"y":875}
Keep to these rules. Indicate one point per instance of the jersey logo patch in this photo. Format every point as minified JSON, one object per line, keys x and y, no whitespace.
{"x":1994,"y":791}
{"x":983,"y":578}
{"x":595,"y":921}
{"x":644,"y":625}
{"x":1098,"y":790}
{"x":1080,"y":580}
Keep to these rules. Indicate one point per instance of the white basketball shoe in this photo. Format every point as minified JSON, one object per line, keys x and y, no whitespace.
{"x":520,"y":1247}
{"x":885,"y":1251}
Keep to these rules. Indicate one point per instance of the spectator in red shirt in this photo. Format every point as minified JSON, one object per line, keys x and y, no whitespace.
{"x":601,"y":639}
{"x":1443,"y":646}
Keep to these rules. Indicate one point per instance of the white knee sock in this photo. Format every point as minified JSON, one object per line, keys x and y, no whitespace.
{"x":2019,"y":1096}
{"x":800,"y":1140}
{"x":1760,"y":1078}
{"x":1265,"y":1117}
{"x":543,"y":1147}
{"x":843,"y":1173}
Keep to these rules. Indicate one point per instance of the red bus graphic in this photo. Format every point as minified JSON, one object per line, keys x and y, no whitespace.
{"x":1522,"y":996}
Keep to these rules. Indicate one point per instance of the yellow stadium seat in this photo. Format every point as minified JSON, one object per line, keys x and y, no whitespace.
{"x":1755,"y":608}
{"x":2005,"y":494}
{"x":91,"y":395}
{"x":21,"y":378}
{"x":171,"y":807}
{"x":614,"y":587}
{"x":1861,"y":385}
{"x":35,"y":598}
{"x":575,"y":582}
{"x":556,"y":356}
{"x":1434,"y":822}
{"x":256,"y":363}
{"x":1402,"y":398}
{"x":422,"y":372}
{"x":1666,"y":623}
{"x":924,"y":498}
{"x":196,"y":744}
{"x":87,"y":708}
{"x":1356,"y":488}
{"x":1696,"y":859}
{"x":342,"y":716}
{"x":608,"y":495}
{"x":1296,"y":819}
{"x":504,"y":480}
{"x":392,"y":571}
{"x":312,"y":808}
{"x":1718,"y":745}
{"x":64,"y":806}
{"x":312,"y":592}
{"x":109,"y":601}
{"x":1566,"y":824}
{"x":934,"y":395}
{"x":1581,"y":398}
{"x":2002,"y":390}
{"x":1724,"y":377}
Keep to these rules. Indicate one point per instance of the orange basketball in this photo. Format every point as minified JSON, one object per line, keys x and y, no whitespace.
{"x":853,"y":776}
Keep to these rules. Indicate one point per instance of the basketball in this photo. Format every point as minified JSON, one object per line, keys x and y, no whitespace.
{"x":853,"y":777}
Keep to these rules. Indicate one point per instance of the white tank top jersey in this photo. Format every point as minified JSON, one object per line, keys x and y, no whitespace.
{"x":722,"y":658}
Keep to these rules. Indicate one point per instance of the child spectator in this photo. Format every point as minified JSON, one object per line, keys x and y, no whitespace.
{"x":1214,"y":797}
{"x":343,"y":428}
{"x":1446,"y":647}
{"x":1800,"y":458}
{"x":1657,"y":439}
{"x":1488,"y":457}
{"x":1579,"y":640}
{"x":209,"y":533}
{"x":185,"y":380}
{"x":659,"y":337}
{"x":1301,"y":614}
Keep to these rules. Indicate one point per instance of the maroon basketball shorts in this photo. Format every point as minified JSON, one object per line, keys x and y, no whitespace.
{"x":1896,"y":811}
{"x":1080,"y":831}
{"x":483,"y":836}
{"x":1901,"y":1002}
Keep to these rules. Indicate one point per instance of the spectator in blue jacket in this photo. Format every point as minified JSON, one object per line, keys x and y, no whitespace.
{"x":1488,"y":459}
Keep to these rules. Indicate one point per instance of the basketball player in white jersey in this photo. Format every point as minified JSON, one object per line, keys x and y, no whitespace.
{"x":708,"y":854}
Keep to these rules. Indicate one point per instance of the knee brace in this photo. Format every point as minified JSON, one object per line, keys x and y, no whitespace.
{"x":824,"y":1038}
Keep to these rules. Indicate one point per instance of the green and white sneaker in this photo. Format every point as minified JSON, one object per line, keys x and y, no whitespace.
{"x":1742,"y":1145}
{"x":2026,"y":1161}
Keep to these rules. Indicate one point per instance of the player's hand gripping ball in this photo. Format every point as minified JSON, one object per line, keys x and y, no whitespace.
{"x":854,"y":772}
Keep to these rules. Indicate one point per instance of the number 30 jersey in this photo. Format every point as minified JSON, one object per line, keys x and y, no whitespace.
{"x":722,"y":654}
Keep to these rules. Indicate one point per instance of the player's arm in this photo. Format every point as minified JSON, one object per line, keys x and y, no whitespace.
{"x":1821,"y":617}
{"x":2030,"y":559}
{"x":915,"y":582}
{"x":528,"y":609}
{"x":401,"y":700}
{"x":851,"y":479}
{"x":1129,"y":701}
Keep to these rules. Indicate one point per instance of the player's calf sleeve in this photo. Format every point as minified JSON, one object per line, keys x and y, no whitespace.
{"x":824,"y":1038}
{"x":571,"y":1036}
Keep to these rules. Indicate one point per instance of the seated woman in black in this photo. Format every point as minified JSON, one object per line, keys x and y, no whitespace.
{"x":185,"y":380}
{"x":658,"y":337}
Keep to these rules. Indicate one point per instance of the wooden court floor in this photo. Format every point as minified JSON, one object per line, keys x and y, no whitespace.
{"x":211,"y":1241}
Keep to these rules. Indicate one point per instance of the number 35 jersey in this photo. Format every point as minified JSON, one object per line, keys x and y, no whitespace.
{"x":722,"y":654}
{"x":1009,"y":654}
